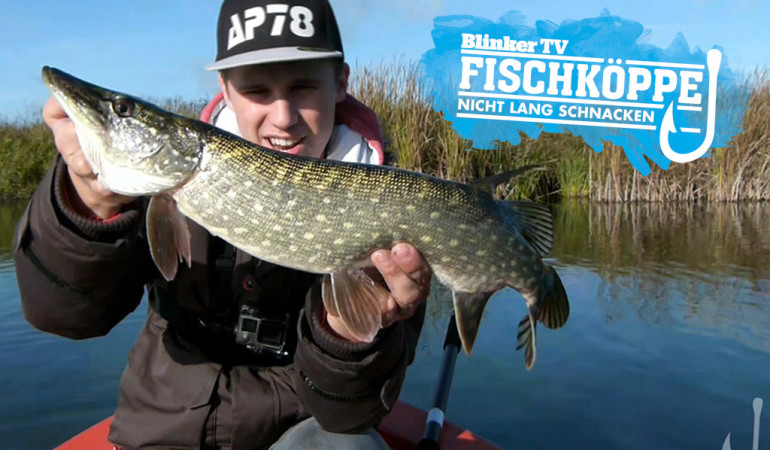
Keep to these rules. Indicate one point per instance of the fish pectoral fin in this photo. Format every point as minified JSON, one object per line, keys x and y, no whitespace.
{"x":167,"y":235}
{"x":527,"y":339}
{"x":469,"y":307}
{"x":327,"y":295}
{"x":554,"y":309}
{"x":353,"y":296}
{"x":532,"y":220}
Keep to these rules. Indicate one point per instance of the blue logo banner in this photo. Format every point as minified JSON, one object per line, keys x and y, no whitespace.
{"x":594,"y":78}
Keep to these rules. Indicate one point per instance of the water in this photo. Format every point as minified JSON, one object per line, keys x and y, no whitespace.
{"x":666,"y":346}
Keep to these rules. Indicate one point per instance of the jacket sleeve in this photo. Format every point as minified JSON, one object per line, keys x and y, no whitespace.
{"x":77,"y":277}
{"x":349,"y":387}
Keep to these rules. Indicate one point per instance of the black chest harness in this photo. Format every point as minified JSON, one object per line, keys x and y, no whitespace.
{"x":250,"y":313}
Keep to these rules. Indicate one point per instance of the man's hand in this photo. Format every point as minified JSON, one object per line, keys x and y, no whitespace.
{"x":87,"y":195}
{"x":406,"y":275}
{"x":408,"y":278}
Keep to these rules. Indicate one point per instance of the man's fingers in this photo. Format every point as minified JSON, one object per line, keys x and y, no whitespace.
{"x":411,"y":262}
{"x":66,"y":139}
{"x":401,"y":286}
{"x":79,"y":166}
{"x":52,"y":111}
{"x":90,"y":196}
{"x":408,"y":277}
{"x":100,"y":190}
{"x":391,"y":312}
{"x":105,"y":194}
{"x":402,"y":263}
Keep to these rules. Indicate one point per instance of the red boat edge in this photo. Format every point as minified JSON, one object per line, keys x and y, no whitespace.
{"x":404,"y":427}
{"x":401,"y":429}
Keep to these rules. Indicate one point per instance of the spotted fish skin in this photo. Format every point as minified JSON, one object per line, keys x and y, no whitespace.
{"x":322,"y":215}
{"x":317,"y":215}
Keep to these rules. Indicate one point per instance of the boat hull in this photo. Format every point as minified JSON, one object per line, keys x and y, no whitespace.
{"x":401,"y":429}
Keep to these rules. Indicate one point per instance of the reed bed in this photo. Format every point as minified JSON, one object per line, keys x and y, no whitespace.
{"x":419,"y":138}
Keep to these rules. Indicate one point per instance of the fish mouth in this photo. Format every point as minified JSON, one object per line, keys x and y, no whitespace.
{"x":83,"y":102}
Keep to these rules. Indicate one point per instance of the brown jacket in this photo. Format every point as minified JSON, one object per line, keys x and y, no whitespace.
{"x":78,"y":278}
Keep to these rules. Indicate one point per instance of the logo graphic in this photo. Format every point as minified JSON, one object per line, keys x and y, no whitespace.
{"x":301,"y":22}
{"x":757,"y":404}
{"x":594,"y":78}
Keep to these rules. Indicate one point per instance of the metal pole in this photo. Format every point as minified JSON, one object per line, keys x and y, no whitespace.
{"x":435,"y":420}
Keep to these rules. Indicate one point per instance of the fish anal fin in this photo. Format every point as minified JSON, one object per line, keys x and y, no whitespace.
{"x":554,"y":309}
{"x":469,"y":307}
{"x":532,"y":220}
{"x":526,"y":338}
{"x":353,"y":296}
{"x":167,"y":235}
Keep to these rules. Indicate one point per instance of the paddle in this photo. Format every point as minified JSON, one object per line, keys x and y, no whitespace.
{"x":435,"y":420}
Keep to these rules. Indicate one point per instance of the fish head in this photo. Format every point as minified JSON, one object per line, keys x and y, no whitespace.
{"x":134,"y":147}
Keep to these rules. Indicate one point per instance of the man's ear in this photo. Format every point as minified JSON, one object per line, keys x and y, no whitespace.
{"x":342,"y":82}
{"x":225,"y":92}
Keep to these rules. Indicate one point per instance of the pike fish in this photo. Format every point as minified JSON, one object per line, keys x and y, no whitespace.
{"x":316,"y":215}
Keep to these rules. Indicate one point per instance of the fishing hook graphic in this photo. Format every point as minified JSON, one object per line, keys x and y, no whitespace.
{"x":757,"y":404}
{"x":713,"y":59}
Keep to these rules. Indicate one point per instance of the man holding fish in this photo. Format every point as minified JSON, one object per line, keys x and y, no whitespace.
{"x":236,"y":352}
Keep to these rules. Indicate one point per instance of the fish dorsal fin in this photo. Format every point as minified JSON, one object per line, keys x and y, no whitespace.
{"x":532,"y":220}
{"x":469,"y":307}
{"x":353,"y":296}
{"x":167,"y":235}
{"x":491,"y":182}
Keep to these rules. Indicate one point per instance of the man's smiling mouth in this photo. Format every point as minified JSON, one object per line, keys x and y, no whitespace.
{"x":284,"y":144}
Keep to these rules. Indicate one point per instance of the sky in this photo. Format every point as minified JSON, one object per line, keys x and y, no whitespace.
{"x":158,"y":49}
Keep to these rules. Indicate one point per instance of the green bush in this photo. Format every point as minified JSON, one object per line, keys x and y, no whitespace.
{"x":26,"y":151}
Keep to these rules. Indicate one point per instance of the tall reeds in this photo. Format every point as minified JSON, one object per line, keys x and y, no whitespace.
{"x":419,"y":138}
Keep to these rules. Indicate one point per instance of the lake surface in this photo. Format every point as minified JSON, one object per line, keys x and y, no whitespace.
{"x":667,"y":345}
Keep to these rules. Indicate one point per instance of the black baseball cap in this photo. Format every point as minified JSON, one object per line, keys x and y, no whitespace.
{"x":264,"y":31}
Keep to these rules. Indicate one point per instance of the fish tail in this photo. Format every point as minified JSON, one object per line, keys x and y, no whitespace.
{"x":554,"y":305}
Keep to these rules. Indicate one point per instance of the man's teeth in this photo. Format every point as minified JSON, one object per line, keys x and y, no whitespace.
{"x":283,"y":143}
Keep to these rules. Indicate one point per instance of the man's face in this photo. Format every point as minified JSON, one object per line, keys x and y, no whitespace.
{"x":286,"y":106}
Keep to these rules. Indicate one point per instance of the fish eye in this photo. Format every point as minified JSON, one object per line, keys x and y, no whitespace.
{"x":123,"y":107}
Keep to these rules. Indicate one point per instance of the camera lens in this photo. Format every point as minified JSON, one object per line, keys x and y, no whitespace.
{"x":271,"y":333}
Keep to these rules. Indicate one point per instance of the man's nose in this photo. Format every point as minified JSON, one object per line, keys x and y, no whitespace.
{"x":283,"y":113}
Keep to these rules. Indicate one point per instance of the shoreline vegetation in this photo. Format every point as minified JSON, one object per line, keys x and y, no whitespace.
{"x":418,"y":138}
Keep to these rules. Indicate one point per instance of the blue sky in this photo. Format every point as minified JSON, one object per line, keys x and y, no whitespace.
{"x":158,"y":48}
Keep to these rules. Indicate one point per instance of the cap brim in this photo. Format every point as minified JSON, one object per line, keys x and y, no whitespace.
{"x":273,"y":55}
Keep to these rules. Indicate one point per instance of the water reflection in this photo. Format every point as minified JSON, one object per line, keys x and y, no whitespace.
{"x":669,"y":308}
{"x":698,"y":268}
{"x":9,"y":215}
{"x":677,"y":240}
{"x":701,"y":268}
